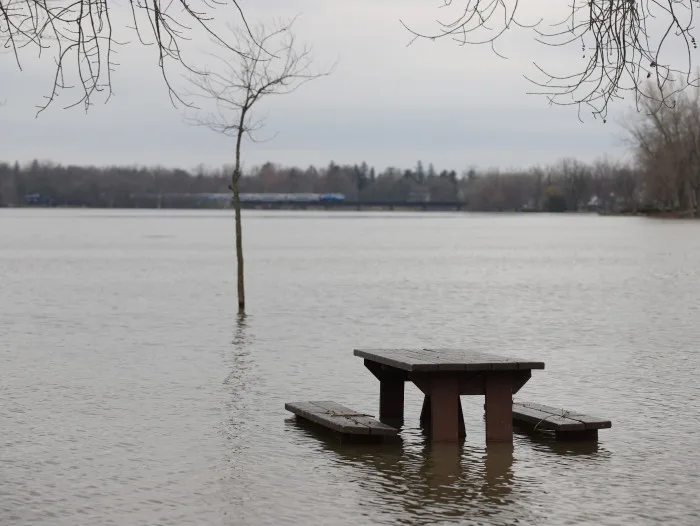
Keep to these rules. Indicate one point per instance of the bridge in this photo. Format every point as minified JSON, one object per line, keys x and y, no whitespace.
{"x":223,"y":200}
{"x":356,"y":205}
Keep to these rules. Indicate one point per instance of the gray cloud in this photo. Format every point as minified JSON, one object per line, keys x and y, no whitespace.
{"x":386,"y":103}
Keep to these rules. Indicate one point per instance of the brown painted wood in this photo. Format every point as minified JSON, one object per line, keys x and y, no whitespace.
{"x":426,"y":417}
{"x":391,"y":400}
{"x":318,"y":414}
{"x":375,"y":427}
{"x":431,"y":360}
{"x":444,"y":411}
{"x":591,"y":422}
{"x":460,"y":419}
{"x":446,"y":370}
{"x":586,"y":434}
{"x":545,"y":419}
{"x":424,"y":382}
{"x":499,"y":408}
{"x":521,"y":378}
{"x":472,"y":383}
{"x":556,"y":419}
{"x":339,"y":418}
{"x":383,"y":371}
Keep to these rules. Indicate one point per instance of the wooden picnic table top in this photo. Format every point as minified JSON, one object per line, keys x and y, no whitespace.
{"x":432,"y":360}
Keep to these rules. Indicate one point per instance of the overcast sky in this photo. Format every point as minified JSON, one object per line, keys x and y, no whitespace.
{"x":386,"y":103}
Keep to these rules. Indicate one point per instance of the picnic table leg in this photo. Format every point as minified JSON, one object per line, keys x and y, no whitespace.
{"x":426,"y":416}
{"x":499,"y":409}
{"x":445,"y":411}
{"x":425,"y":419}
{"x":391,"y":393}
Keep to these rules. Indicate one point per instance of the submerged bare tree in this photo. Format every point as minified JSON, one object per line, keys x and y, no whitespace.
{"x":82,"y":36}
{"x":623,"y":43}
{"x":271,"y":62}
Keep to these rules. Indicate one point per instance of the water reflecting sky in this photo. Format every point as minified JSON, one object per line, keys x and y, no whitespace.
{"x":132,"y":394}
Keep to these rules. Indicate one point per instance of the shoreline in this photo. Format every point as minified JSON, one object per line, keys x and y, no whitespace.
{"x":657,"y":214}
{"x":401,"y":207}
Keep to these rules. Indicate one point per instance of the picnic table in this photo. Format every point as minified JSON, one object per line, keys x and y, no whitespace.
{"x":443,"y":375}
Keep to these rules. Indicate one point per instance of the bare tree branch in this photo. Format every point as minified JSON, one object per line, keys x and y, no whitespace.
{"x":80,"y":33}
{"x":270,"y":62}
{"x":624,"y":43}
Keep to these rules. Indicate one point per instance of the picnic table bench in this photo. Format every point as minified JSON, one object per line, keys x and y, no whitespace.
{"x":567,"y":425}
{"x":443,"y":375}
{"x":339,"y":418}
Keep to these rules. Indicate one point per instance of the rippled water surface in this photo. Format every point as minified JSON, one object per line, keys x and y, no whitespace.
{"x":130,"y":393}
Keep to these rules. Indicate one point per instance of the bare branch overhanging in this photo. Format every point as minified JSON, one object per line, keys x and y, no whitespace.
{"x":81,"y":35}
{"x":622,"y":41}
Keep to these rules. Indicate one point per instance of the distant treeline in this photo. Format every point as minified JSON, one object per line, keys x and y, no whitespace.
{"x":566,"y":186}
{"x":665,"y":176}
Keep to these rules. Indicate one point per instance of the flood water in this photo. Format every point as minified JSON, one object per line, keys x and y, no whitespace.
{"x":131,"y":395}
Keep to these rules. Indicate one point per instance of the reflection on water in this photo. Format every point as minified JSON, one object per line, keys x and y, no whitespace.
{"x":240,"y":335}
{"x":239,"y":362}
{"x":132,"y":394}
{"x":238,"y":357}
{"x":498,"y":467}
{"x":425,"y":481}
{"x":546,"y":442}
{"x":421,"y":483}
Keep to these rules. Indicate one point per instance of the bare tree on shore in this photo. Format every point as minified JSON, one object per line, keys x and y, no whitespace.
{"x":666,"y":139}
{"x":271,"y":62}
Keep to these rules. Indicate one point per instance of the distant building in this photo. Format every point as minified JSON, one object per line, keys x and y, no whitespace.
{"x":419,"y":196}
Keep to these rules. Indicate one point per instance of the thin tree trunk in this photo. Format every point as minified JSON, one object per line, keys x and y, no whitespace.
{"x":237,"y":208}
{"x":239,"y":247}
